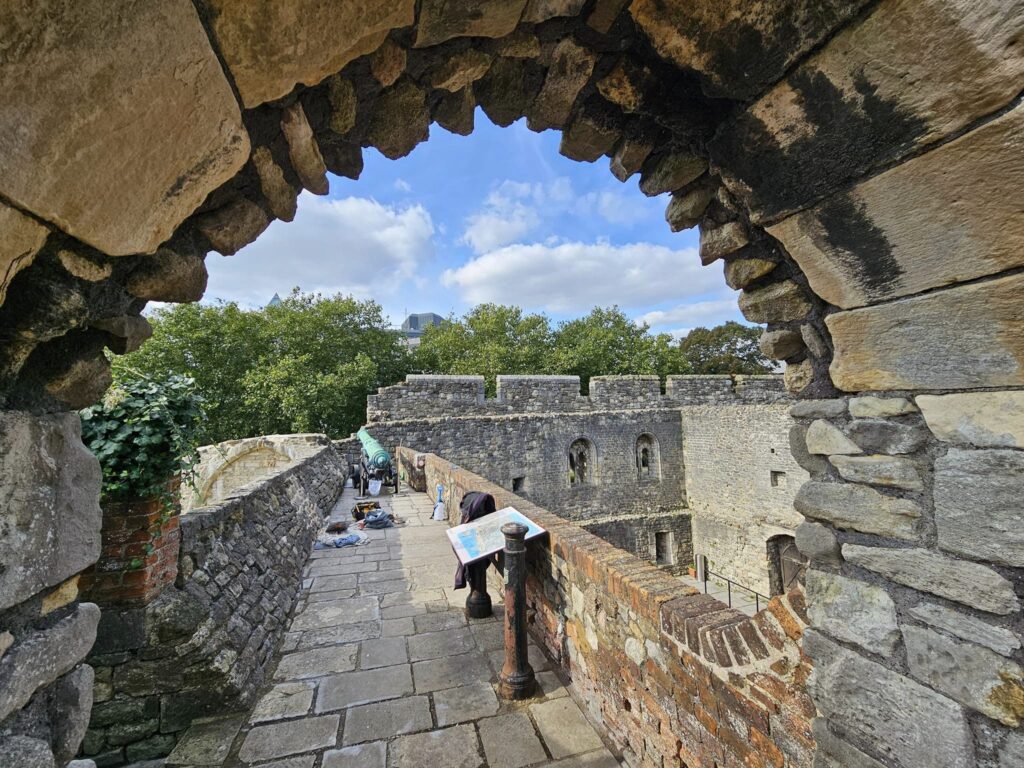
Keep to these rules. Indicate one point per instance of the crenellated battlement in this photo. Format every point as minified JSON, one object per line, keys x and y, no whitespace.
{"x":434,"y":396}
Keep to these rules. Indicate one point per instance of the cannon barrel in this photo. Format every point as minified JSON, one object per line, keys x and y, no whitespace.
{"x":376,"y":456}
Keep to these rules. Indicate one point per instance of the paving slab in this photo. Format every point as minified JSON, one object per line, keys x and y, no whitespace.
{"x":450,"y":672}
{"x":510,"y":741}
{"x":372,"y":755}
{"x":265,"y":742}
{"x":448,"y":642}
{"x":207,"y":741}
{"x":364,"y":687}
{"x":600,"y":759}
{"x":333,"y":583}
{"x":382,"y":652}
{"x":465,"y":703}
{"x":386,"y":719}
{"x":564,"y":729}
{"x":302,"y":761}
{"x":435,"y":622}
{"x":344,"y":633}
{"x":329,"y":614}
{"x":317,"y":662}
{"x":455,"y":747}
{"x":397,"y":627}
{"x":284,"y":700}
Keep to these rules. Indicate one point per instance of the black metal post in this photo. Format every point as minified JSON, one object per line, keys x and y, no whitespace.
{"x":516,"y":679}
{"x":478,"y":602}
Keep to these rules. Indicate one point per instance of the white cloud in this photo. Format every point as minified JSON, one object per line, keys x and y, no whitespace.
{"x":574,"y":277}
{"x":352,"y":245}
{"x":402,"y":185}
{"x":682,"y":319}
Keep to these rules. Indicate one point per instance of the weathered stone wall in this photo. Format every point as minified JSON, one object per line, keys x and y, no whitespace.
{"x":665,"y":540}
{"x":229,"y":465}
{"x":203,"y":646}
{"x":49,"y":532}
{"x":917,"y":569}
{"x":673,"y":676}
{"x":740,"y":482}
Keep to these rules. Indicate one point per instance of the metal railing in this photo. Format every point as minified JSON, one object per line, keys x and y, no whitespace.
{"x":729,"y":583}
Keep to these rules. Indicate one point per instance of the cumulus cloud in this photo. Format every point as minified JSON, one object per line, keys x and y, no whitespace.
{"x":682,"y":319}
{"x":402,"y":185}
{"x":574,"y":276}
{"x":352,"y":245}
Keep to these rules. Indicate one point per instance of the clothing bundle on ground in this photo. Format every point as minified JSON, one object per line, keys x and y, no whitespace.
{"x":474,"y":504}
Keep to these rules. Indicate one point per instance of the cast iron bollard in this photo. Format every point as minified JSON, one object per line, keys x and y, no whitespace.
{"x":478,"y":602}
{"x":517,"y":680}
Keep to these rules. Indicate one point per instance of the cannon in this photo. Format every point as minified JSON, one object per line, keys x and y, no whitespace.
{"x":375,"y":463}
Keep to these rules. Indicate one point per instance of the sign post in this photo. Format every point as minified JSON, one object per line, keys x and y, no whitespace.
{"x":516,"y":679}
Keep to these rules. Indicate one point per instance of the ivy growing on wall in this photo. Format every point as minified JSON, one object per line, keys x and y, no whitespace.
{"x":144,"y":434}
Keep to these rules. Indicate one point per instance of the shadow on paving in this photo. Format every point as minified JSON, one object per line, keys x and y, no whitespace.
{"x":380,"y":668}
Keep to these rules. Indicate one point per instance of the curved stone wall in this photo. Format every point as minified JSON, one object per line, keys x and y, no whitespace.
{"x":856,"y":166}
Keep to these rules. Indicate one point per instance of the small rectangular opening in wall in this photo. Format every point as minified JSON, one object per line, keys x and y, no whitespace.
{"x":778,"y":479}
{"x":664,"y":553}
{"x":518,"y":484}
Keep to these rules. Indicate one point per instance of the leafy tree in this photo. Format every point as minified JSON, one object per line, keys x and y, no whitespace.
{"x":304,"y":365}
{"x":491,"y":339}
{"x":726,"y":348}
{"x":607,"y":343}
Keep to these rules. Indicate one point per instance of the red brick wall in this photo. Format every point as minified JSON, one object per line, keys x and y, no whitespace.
{"x":675,"y":677}
{"x":139,"y":556}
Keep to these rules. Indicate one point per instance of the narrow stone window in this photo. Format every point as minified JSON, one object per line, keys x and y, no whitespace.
{"x":580,"y":463}
{"x":518,"y":484}
{"x":778,"y":479}
{"x":647,"y":463}
{"x":664,"y":552}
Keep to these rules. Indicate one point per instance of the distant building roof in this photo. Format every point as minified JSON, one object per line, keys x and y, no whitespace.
{"x":416,"y":324}
{"x":275,"y":301}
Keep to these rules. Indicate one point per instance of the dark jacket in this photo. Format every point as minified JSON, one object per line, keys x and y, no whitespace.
{"x":474,"y":504}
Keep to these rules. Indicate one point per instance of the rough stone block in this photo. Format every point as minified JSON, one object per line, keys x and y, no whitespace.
{"x":231,"y":228}
{"x":274,"y":46}
{"x":685,"y":211}
{"x":775,"y":303}
{"x":669,"y":172}
{"x":902,"y":77}
{"x":971,"y":674}
{"x":70,"y":705}
{"x":968,"y":583}
{"x":441,"y":20}
{"x":265,"y":742}
{"x":818,"y":409}
{"x":281,"y":196}
{"x":207,"y":742}
{"x":889,"y":471}
{"x":721,"y":241}
{"x":571,"y":65}
{"x":818,"y":542}
{"x":460,"y":70}
{"x":49,"y":510}
{"x":852,"y":611}
{"x":113,"y":81}
{"x":909,"y":722}
{"x":978,"y":504}
{"x":960,"y":338}
{"x":388,"y":63}
{"x":966,"y":627}
{"x":44,"y":655}
{"x":882,"y":436}
{"x":781,"y":344}
{"x":629,"y":157}
{"x":826,"y":439}
{"x":303,"y":150}
{"x":859,"y":508}
{"x":169,"y":275}
{"x":23,"y":237}
{"x":26,"y":751}
{"x":740,"y":272}
{"x":982,"y":419}
{"x":869,"y":407}
{"x":400,"y":120}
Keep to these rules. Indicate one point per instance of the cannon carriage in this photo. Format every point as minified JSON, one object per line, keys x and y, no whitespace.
{"x":375,"y":463}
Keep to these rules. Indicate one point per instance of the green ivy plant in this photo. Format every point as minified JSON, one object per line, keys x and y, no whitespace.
{"x":144,"y":434}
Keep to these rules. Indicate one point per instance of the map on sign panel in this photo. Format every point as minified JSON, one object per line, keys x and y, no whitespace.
{"x":483,"y":537}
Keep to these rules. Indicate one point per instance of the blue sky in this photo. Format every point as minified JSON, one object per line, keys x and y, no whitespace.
{"x":497,"y":216}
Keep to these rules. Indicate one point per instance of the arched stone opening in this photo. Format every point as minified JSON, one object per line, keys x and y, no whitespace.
{"x":648,"y":458}
{"x":830,"y":165}
{"x":786,"y":564}
{"x":582,"y":463}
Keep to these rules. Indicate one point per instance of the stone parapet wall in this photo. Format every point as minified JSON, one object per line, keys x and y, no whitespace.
{"x":203,"y":646}
{"x":674,"y":677}
{"x":429,"y":396}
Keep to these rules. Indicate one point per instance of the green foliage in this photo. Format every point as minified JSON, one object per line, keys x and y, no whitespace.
{"x":305,"y":365}
{"x":144,"y":433}
{"x":607,"y":343}
{"x":726,"y":348}
{"x":491,"y":339}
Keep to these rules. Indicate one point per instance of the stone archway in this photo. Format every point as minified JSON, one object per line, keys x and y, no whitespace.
{"x":833,"y":154}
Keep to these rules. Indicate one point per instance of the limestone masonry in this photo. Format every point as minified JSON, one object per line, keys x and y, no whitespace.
{"x":856,"y":168}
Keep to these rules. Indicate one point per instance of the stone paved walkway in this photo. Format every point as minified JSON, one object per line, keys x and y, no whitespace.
{"x":381,"y":668}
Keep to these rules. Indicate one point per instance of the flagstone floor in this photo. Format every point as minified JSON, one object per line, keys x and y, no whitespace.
{"x":381,"y":669}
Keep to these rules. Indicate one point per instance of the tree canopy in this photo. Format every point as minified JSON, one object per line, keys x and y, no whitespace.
{"x":304,"y":365}
{"x":726,"y":348}
{"x":308,"y":363}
